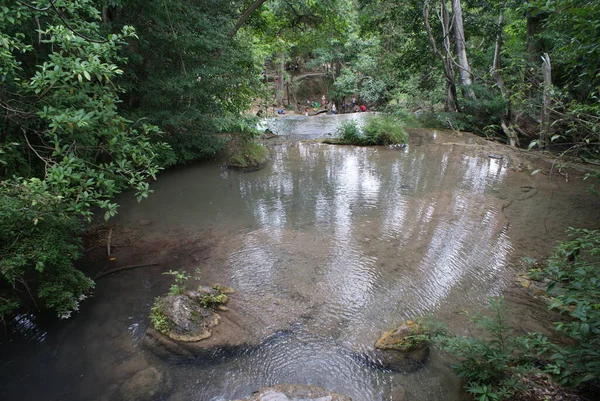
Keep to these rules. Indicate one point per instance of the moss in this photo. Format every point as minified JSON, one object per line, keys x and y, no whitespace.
{"x":248,"y":154}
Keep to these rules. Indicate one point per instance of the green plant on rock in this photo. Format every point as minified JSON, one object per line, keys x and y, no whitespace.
{"x":158,"y":319}
{"x":181,"y":278}
{"x":213,"y":300}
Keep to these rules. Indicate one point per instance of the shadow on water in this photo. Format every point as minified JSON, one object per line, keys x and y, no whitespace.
{"x":352,"y":240}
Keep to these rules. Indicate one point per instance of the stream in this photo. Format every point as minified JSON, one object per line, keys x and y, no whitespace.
{"x":359,"y":239}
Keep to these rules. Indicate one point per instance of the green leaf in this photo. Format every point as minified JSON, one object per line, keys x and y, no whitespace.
{"x":584,"y":329}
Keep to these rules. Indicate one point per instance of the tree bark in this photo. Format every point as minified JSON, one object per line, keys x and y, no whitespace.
{"x":451,"y":102}
{"x":497,"y":64}
{"x":245,"y":15}
{"x":279,"y":80}
{"x":464,"y":69}
{"x":546,"y":108}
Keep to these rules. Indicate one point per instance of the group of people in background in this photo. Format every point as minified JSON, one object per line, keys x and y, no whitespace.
{"x":352,"y":106}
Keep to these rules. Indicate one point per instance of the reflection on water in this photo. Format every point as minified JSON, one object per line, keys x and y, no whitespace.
{"x":363,"y":237}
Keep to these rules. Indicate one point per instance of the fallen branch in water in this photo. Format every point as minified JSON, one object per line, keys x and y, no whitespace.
{"x":118,"y":269}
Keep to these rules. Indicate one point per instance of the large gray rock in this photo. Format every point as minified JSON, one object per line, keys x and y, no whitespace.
{"x":146,"y":385}
{"x":295,"y":392}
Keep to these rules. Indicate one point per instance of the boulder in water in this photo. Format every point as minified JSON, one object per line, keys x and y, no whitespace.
{"x":188,"y":320}
{"x":296,"y":392}
{"x":146,"y":385}
{"x":401,"y":349}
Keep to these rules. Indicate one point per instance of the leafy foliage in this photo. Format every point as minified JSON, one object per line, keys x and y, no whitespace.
{"x":574,"y":271}
{"x":500,"y":364}
{"x":186,"y":72}
{"x":65,"y":149}
{"x":494,"y":363}
{"x":210,"y":300}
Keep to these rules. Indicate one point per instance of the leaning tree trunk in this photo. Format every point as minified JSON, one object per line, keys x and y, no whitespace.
{"x":451,"y":102}
{"x":464,"y":69}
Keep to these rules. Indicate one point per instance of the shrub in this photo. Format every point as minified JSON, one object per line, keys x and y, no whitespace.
{"x":378,"y":130}
{"x":349,"y":132}
{"x":495,"y":364}
{"x":384,"y":130}
{"x":574,"y":273}
{"x":38,"y":244}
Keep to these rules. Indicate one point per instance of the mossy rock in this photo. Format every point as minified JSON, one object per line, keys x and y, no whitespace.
{"x":398,"y":350}
{"x":189,"y":321}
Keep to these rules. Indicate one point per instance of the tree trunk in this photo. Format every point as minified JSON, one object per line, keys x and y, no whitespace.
{"x":496,"y":66}
{"x":546,"y":108}
{"x":464,"y":69}
{"x":451,"y":102}
{"x":279,"y":80}
{"x":534,"y":50}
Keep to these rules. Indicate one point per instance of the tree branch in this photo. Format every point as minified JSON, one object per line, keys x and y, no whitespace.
{"x":245,"y":16}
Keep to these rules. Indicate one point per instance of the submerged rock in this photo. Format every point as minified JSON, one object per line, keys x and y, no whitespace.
{"x":398,"y":350}
{"x":295,"y":392}
{"x":146,"y":385}
{"x":535,"y":288}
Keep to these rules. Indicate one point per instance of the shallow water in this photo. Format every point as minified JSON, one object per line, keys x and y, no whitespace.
{"x":360,"y":239}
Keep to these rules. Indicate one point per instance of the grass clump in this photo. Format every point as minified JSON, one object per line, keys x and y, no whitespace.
{"x":378,"y":130}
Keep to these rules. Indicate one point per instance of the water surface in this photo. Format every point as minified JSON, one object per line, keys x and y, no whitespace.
{"x":362,"y":238}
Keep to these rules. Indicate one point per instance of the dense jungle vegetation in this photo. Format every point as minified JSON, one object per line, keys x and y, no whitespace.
{"x":98,"y":96}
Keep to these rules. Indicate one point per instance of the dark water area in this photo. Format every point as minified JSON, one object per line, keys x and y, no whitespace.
{"x":359,"y":239}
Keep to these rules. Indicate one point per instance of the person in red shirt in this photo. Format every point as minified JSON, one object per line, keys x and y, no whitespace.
{"x":363,"y":107}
